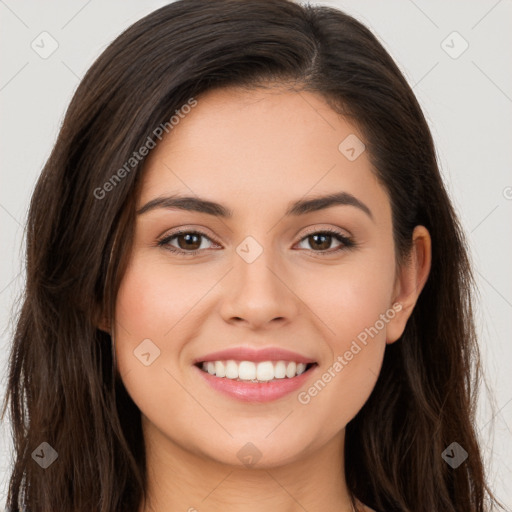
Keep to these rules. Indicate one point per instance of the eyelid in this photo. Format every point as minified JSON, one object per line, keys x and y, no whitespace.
{"x":319,"y":229}
{"x":188,"y":229}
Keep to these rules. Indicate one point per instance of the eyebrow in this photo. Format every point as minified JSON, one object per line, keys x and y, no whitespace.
{"x":300,"y":207}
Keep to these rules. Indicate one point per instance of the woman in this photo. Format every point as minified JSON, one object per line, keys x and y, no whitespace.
{"x":247,"y":288}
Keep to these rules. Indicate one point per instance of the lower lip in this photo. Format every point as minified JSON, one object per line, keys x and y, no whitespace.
{"x":256,"y":391}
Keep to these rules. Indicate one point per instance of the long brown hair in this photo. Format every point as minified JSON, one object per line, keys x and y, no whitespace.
{"x":62,"y":389}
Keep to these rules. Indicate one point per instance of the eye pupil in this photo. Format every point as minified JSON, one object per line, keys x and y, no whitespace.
{"x":323,"y":245}
{"x":191,"y":239}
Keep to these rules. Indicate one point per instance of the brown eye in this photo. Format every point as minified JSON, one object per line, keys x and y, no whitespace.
{"x":190,"y":241}
{"x":321,"y":241}
{"x":185,"y":242}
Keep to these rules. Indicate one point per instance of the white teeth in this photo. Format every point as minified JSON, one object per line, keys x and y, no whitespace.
{"x":246,"y":370}
{"x":280,"y":370}
{"x":263,"y":371}
{"x":220,"y":369}
{"x":231,"y":370}
{"x":291,"y":370}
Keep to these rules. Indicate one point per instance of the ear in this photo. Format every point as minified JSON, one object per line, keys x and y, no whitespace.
{"x":410,"y":280}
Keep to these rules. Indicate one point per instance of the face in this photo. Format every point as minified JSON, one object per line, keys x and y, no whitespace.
{"x":274,"y":272}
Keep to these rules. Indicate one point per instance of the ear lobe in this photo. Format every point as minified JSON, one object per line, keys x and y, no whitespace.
{"x":104,"y":326}
{"x":101,"y":322}
{"x":410,"y":281}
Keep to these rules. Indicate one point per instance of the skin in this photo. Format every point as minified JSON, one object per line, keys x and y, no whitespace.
{"x":255,"y":153}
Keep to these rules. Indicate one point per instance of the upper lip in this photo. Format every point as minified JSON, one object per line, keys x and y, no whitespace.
{"x":257,"y":355}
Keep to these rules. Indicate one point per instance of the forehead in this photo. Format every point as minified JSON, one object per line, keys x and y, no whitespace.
{"x":260,"y":147}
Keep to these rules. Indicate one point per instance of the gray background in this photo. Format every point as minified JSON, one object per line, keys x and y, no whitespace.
{"x":467,"y":99}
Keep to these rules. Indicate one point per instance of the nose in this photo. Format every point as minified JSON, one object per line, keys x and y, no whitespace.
{"x":259,"y":294}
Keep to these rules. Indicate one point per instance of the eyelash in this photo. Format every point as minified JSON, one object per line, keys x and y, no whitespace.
{"x":347,"y":242}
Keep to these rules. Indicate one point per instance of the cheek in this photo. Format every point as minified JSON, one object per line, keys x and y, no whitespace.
{"x":349,"y":299}
{"x":151,"y":302}
{"x":353,"y":306}
{"x":345,"y":380}
{"x":154,"y":297}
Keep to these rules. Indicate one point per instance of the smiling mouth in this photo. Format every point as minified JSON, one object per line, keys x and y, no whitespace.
{"x":256,"y":372}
